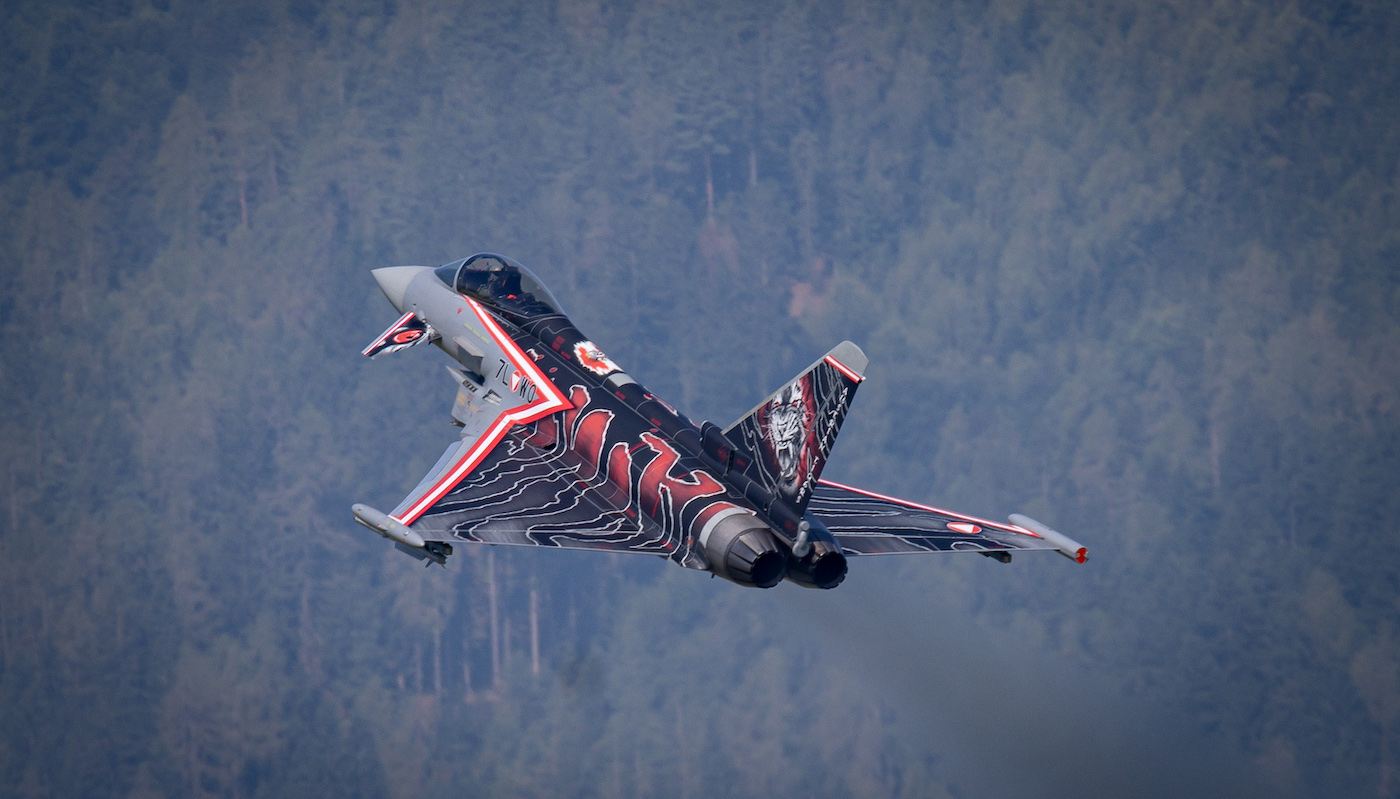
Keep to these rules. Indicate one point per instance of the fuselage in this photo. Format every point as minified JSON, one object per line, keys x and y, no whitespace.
{"x":527,"y":366}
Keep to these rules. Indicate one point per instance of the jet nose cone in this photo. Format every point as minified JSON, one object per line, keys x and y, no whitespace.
{"x":394,"y":280}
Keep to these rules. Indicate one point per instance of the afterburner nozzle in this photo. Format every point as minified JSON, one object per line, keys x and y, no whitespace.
{"x":742,"y":549}
{"x":817,"y":560}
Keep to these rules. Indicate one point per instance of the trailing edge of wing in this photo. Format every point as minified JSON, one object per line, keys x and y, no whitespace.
{"x":866,"y":523}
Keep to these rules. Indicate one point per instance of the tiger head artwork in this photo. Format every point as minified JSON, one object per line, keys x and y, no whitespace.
{"x":788,"y":425}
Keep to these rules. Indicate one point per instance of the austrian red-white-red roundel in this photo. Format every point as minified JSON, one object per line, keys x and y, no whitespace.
{"x":593,"y":359}
{"x":964,"y":527}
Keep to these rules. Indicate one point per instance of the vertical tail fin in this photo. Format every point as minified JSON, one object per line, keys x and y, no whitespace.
{"x":791,"y":433}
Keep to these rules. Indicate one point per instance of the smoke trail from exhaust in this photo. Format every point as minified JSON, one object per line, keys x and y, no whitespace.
{"x":1014,"y":721}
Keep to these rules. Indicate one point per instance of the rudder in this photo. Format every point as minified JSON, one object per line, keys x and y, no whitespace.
{"x":790,"y":434}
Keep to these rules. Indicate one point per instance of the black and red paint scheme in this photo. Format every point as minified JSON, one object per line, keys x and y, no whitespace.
{"x":561,"y":448}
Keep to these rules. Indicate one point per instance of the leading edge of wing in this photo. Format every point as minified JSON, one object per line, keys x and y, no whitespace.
{"x":457,"y":464}
{"x":868,"y":523}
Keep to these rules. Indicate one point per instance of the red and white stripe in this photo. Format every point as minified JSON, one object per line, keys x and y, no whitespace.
{"x":845,"y":370}
{"x":1014,"y":528}
{"x":387,"y":333}
{"x":548,"y":400}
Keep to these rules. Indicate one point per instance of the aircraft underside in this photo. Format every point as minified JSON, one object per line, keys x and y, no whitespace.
{"x":561,"y":448}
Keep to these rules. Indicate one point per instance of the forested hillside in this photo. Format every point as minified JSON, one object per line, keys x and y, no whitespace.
{"x":1130,"y":267}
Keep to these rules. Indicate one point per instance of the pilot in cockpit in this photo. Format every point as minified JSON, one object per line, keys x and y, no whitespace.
{"x":500,"y":282}
{"x":504,"y":284}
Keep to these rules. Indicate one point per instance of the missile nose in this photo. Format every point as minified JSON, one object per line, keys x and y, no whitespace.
{"x":394,"y":280}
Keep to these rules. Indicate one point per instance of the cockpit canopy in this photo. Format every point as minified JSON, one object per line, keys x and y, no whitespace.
{"x":498,"y":281}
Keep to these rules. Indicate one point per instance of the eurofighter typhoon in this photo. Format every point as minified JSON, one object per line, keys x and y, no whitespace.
{"x":561,"y":448}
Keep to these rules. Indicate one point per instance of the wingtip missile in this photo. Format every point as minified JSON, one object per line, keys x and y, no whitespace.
{"x":387,"y":526}
{"x":1063,"y":544}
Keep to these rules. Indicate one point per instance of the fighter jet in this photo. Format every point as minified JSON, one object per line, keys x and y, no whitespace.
{"x":560,"y":447}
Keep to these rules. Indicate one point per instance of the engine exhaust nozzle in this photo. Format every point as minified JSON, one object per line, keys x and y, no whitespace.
{"x":741,"y":549}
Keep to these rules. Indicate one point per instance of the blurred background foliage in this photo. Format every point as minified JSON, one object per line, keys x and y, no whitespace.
{"x":1131,"y":267}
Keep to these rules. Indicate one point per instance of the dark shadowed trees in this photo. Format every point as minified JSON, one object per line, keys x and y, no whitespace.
{"x":1130,"y":268}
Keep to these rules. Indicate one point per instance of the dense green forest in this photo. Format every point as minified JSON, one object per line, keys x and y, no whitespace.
{"x":1131,"y":267}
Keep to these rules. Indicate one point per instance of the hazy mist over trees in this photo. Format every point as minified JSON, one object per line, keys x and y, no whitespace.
{"x":1132,"y":268}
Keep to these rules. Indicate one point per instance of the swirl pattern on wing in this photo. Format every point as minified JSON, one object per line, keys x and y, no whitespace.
{"x":867,"y":524}
{"x":529,"y":492}
{"x":584,"y":478}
